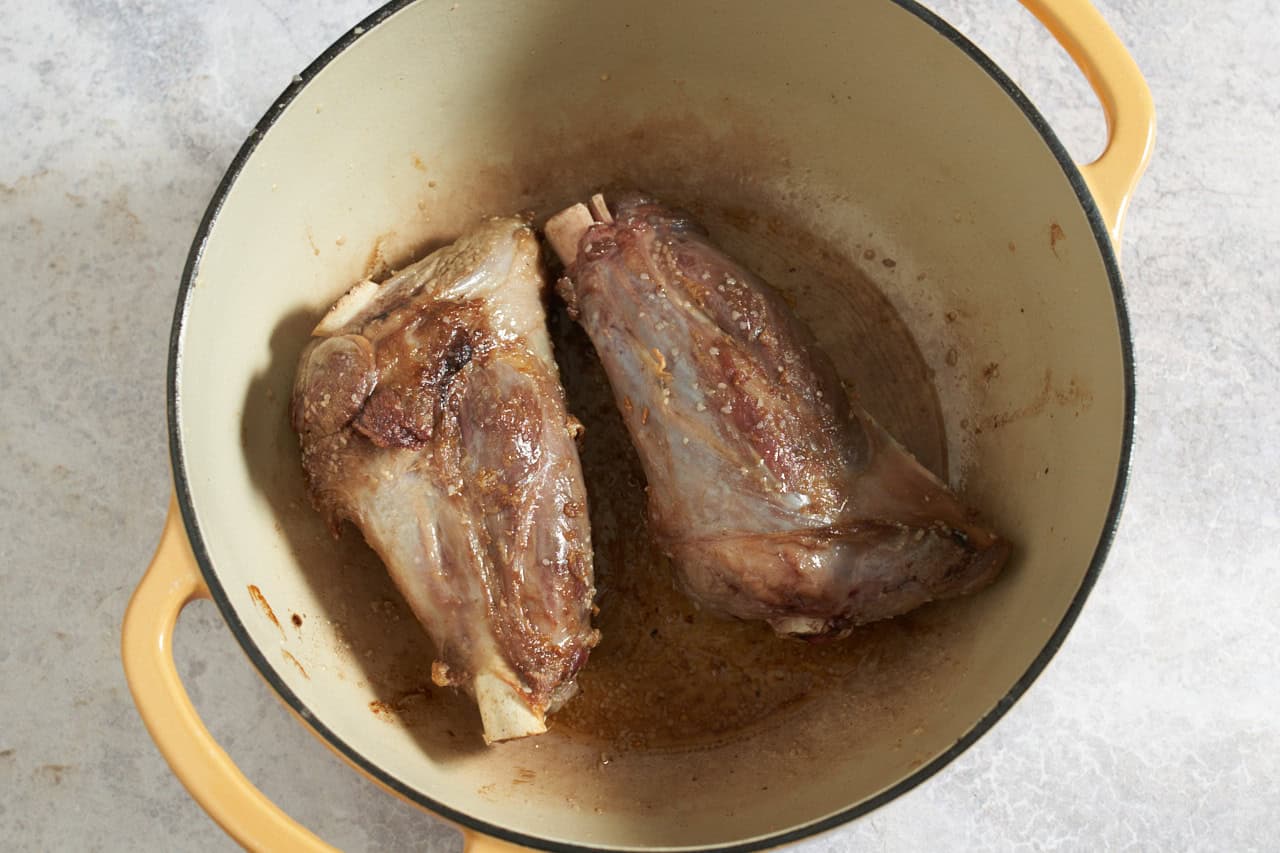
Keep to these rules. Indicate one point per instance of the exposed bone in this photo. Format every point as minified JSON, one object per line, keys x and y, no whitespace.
{"x":505,"y":713}
{"x":346,"y":308}
{"x":564,"y":231}
{"x":599,"y":209}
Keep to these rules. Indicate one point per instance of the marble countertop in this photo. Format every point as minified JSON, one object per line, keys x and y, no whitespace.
{"x":1154,"y":728}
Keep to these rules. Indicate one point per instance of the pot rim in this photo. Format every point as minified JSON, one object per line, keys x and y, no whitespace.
{"x":185,"y":501}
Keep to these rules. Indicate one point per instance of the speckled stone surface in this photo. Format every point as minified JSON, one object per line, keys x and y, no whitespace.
{"x":1154,"y":728}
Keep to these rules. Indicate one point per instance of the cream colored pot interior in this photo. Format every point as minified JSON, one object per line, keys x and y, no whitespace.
{"x":852,"y":143}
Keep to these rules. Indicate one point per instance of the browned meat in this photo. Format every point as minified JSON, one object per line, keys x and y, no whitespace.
{"x":431,"y":416}
{"x":776,"y":498}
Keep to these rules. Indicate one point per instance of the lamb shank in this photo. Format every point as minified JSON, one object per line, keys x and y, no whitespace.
{"x":431,"y":416}
{"x":776,"y":498}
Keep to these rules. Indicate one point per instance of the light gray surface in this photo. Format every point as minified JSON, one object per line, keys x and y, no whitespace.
{"x":1155,"y":727}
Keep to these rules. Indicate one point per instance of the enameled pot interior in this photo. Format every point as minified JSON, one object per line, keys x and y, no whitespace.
{"x":849,"y":144}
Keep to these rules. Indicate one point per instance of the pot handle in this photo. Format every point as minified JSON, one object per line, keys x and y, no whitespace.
{"x":172,"y":581}
{"x":1125,"y":96}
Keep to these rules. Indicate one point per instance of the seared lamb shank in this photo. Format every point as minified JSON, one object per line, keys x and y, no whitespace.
{"x":775,"y":497}
{"x":431,"y":416}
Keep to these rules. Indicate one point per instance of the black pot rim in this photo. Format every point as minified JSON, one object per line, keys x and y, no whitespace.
{"x":186,"y":505}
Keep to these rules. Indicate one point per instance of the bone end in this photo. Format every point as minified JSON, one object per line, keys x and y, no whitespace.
{"x":346,"y":309}
{"x":564,"y":231}
{"x":505,"y":713}
{"x":599,"y":209}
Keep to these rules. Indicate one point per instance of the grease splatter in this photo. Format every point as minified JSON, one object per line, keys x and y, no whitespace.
{"x":1056,"y":235}
{"x":263,"y":605}
{"x":376,"y":265}
{"x":405,"y":704}
{"x":296,"y":663}
{"x":1073,"y":395}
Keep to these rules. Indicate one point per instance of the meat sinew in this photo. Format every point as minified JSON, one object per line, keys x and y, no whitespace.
{"x":775,"y":496}
{"x":431,"y":416}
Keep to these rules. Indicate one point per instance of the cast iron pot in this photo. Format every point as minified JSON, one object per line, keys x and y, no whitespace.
{"x":829,"y":145}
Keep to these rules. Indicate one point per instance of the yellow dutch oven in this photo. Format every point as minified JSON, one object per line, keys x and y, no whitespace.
{"x":867,"y":136}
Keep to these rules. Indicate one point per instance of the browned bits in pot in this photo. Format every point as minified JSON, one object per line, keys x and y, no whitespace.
{"x":261,"y":601}
{"x":297,"y":664}
{"x":1056,"y":235}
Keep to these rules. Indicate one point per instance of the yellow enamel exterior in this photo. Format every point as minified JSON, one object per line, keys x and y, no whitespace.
{"x":1125,"y":98}
{"x":172,"y":582}
{"x":174,"y":579}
